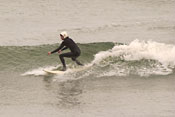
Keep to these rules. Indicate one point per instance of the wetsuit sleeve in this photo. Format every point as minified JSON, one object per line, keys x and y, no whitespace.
{"x":56,"y":50}
{"x":64,"y":48}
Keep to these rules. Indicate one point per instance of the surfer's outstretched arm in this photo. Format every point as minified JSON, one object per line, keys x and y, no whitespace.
{"x":59,"y":48}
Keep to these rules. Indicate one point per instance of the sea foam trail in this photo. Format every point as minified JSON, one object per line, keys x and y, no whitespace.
{"x":141,"y":57}
{"x":38,"y":71}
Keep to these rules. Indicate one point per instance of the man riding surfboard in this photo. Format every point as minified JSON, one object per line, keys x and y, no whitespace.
{"x":67,"y":43}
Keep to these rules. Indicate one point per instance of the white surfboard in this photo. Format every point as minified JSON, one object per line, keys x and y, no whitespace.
{"x":54,"y":71}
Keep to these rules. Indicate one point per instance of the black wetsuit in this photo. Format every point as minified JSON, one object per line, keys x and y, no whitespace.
{"x":75,"y":51}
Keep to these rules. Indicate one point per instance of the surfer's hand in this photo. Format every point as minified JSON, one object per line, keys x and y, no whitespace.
{"x":49,"y":53}
{"x":59,"y":51}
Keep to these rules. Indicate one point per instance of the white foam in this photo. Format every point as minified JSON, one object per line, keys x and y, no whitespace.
{"x":38,"y":71}
{"x":138,"y":50}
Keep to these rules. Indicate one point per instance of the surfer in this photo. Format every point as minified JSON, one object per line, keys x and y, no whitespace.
{"x":67,"y":43}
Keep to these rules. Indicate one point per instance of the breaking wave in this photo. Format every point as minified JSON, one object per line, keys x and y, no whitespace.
{"x":143,"y":58}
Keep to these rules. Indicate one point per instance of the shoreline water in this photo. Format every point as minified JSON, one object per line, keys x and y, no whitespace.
{"x":124,"y":96}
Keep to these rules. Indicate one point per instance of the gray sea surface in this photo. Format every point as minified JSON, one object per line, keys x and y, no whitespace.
{"x":36,"y":22}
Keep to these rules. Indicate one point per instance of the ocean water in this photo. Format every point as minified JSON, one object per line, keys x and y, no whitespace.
{"x":128,"y":48}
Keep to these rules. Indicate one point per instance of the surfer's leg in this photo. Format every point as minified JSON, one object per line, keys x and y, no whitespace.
{"x":69,"y":55}
{"x":78,"y":62}
{"x":63,"y":61}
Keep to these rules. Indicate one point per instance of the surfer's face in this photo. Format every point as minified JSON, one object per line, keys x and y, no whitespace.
{"x":61,"y":36}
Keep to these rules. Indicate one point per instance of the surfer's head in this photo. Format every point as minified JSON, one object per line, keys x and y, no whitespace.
{"x":63,"y":35}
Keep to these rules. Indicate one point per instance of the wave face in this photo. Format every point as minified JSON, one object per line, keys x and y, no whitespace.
{"x":143,"y":58}
{"x":22,"y":58}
